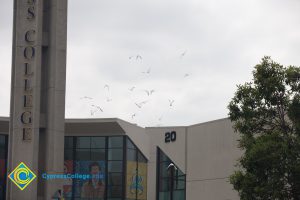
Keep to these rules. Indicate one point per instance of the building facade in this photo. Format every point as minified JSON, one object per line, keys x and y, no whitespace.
{"x":135,"y":163}
{"x":124,"y":161}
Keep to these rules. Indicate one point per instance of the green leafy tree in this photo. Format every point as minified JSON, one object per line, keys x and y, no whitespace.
{"x":266,"y":114}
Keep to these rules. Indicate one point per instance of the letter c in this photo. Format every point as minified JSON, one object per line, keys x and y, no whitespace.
{"x":29,"y":36}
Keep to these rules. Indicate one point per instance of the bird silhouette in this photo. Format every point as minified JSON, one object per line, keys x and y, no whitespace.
{"x":131,"y":89}
{"x":92,"y":112}
{"x":106,"y":86}
{"x":148,"y":71}
{"x":108,"y":99}
{"x":182,"y":54}
{"x":171,"y":102}
{"x":160,"y":118}
{"x":186,"y":75}
{"x":143,"y":102}
{"x":138,"y":57}
{"x":149,"y":92}
{"x":98,"y":107}
{"x":132,"y":116}
{"x":138,"y":105}
{"x":86,"y":97}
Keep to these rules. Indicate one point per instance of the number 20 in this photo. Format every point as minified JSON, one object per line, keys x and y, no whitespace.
{"x":170,"y":137}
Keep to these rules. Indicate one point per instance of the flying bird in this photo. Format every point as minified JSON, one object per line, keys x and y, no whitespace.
{"x":143,"y":102}
{"x":132,"y":116}
{"x":86,"y":97}
{"x":98,"y":107}
{"x":159,"y":119}
{"x":171,"y":166}
{"x":148,"y":71}
{"x":138,"y":105}
{"x":149,"y":92}
{"x":106,"y":86}
{"x":131,"y":89}
{"x":186,"y":75}
{"x":93,"y":112}
{"x":171,"y":102}
{"x":108,"y":99}
{"x":136,"y":57}
{"x":182,"y":54}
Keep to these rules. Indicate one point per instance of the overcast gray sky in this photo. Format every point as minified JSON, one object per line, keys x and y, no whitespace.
{"x":217,"y":43}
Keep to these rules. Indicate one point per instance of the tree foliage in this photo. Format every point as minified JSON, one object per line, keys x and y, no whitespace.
{"x":266,"y":114}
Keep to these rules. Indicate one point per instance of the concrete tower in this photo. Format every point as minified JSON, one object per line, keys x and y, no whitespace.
{"x":38,"y":94}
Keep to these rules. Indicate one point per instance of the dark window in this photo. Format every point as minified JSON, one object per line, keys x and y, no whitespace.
{"x":83,"y":142}
{"x":98,"y":142}
{"x":136,"y":180}
{"x":115,"y":166}
{"x":115,"y":154}
{"x":2,"y":147}
{"x":3,"y":164}
{"x":115,"y":179}
{"x":97,"y":154}
{"x":141,"y":158}
{"x":69,"y":143}
{"x":109,"y":158}
{"x":166,"y":188}
{"x":114,"y":191}
{"x":115,"y":142}
{"x":130,"y":145}
{"x":83,"y":154}
{"x":68,"y":154}
{"x":131,"y":154}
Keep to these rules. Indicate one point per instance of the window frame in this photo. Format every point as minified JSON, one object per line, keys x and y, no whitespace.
{"x":73,"y":147}
{"x":160,"y":178}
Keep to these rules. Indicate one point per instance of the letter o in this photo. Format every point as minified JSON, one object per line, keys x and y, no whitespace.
{"x":29,"y":52}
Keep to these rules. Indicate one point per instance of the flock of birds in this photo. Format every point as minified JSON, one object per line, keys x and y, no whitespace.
{"x":97,"y":108}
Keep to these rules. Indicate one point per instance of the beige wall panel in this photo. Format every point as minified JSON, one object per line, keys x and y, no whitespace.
{"x":210,"y":190}
{"x":212,"y":154}
{"x":175,"y":150}
{"x":138,"y":136}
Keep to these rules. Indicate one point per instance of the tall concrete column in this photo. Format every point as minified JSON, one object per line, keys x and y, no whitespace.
{"x":38,"y":94}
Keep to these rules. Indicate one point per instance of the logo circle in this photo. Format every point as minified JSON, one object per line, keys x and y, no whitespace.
{"x":21,"y":176}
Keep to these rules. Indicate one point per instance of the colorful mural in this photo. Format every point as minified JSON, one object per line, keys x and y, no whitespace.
{"x":94,"y":187}
{"x":136,"y":180}
{"x":67,"y":187}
